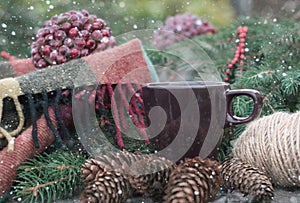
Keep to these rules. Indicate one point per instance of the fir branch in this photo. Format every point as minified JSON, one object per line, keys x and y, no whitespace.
{"x":48,"y":177}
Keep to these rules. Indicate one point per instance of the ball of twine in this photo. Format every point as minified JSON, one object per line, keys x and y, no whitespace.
{"x":272,"y":143}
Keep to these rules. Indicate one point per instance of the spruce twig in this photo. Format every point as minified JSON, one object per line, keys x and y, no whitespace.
{"x":48,"y":177}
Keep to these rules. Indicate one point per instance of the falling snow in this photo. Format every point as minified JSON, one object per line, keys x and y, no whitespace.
{"x":4,"y":25}
{"x":122,"y":4}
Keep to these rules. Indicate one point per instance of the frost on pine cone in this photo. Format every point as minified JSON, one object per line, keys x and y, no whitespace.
{"x":70,"y":35}
{"x":180,"y":27}
{"x":146,"y":174}
{"x":241,"y":176}
{"x":150,"y":176}
{"x":194,"y":181}
{"x":107,"y":186}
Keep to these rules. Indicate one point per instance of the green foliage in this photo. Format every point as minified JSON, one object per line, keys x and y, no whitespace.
{"x":48,"y":177}
{"x":272,"y":65}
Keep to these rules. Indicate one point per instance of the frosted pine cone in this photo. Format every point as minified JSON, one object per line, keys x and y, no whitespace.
{"x":179,"y":27}
{"x":108,"y":186}
{"x":150,"y":176}
{"x":194,"y":181}
{"x":70,"y":35}
{"x":241,"y":176}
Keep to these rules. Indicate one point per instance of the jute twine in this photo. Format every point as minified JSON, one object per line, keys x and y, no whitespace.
{"x":9,"y":87}
{"x":272,"y":143}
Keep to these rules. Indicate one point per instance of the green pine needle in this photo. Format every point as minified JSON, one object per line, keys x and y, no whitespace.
{"x":48,"y":177}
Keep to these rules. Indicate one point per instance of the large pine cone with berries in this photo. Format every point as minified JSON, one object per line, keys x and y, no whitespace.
{"x":194,"y":181}
{"x":70,"y":35}
{"x":247,"y":179}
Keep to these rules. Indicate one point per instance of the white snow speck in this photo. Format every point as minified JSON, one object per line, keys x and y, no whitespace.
{"x":275,"y":20}
{"x":196,"y":193}
{"x":122,"y":4}
{"x":4,"y":25}
{"x":135,"y":26}
{"x":51,"y":7}
{"x":30,"y":8}
{"x":120,"y":192}
{"x":13,"y":33}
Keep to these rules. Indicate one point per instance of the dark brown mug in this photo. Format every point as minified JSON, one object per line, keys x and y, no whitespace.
{"x":187,"y":119}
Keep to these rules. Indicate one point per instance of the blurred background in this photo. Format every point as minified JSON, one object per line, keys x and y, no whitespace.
{"x":20,"y":20}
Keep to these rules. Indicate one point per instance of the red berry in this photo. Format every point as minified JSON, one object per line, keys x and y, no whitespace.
{"x":227,"y":71}
{"x":240,"y":29}
{"x":84,"y":52}
{"x":59,"y":35}
{"x":96,"y":26}
{"x":78,"y":24}
{"x":41,"y":63}
{"x":63,"y":50}
{"x":34,"y":50}
{"x":84,"y":12}
{"x":97,"y":35}
{"x":73,"y":17}
{"x":245,"y":29}
{"x":73,"y":32}
{"x":242,"y":40}
{"x":61,"y":59}
{"x":242,"y":51}
{"x":79,"y":43}
{"x":55,"y":43}
{"x":226,"y":79}
{"x":48,"y":38}
{"x":40,"y":41}
{"x":242,"y":57}
{"x":46,"y":50}
{"x":36,"y":57}
{"x":66,"y":26}
{"x":230,"y":66}
{"x":68,"y":42}
{"x":74,"y":53}
{"x":53,"y":55}
{"x":87,"y":26}
{"x":242,"y":45}
{"x":90,"y":44}
{"x":242,"y":35}
{"x":92,"y":18}
{"x":85,"y":34}
{"x":241,"y":63}
{"x":105,"y":33}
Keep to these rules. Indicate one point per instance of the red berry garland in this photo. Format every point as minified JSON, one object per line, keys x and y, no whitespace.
{"x":239,"y":53}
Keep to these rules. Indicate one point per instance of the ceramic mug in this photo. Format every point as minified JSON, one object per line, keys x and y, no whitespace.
{"x":187,"y":119}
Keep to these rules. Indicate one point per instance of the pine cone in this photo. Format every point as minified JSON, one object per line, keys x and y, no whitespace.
{"x":90,"y":169}
{"x":147,"y":174}
{"x":108,"y":186}
{"x":150,"y":176}
{"x":241,"y":176}
{"x":194,"y":181}
{"x":116,"y":161}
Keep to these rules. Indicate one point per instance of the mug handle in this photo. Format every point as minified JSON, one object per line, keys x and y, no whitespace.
{"x":257,"y":99}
